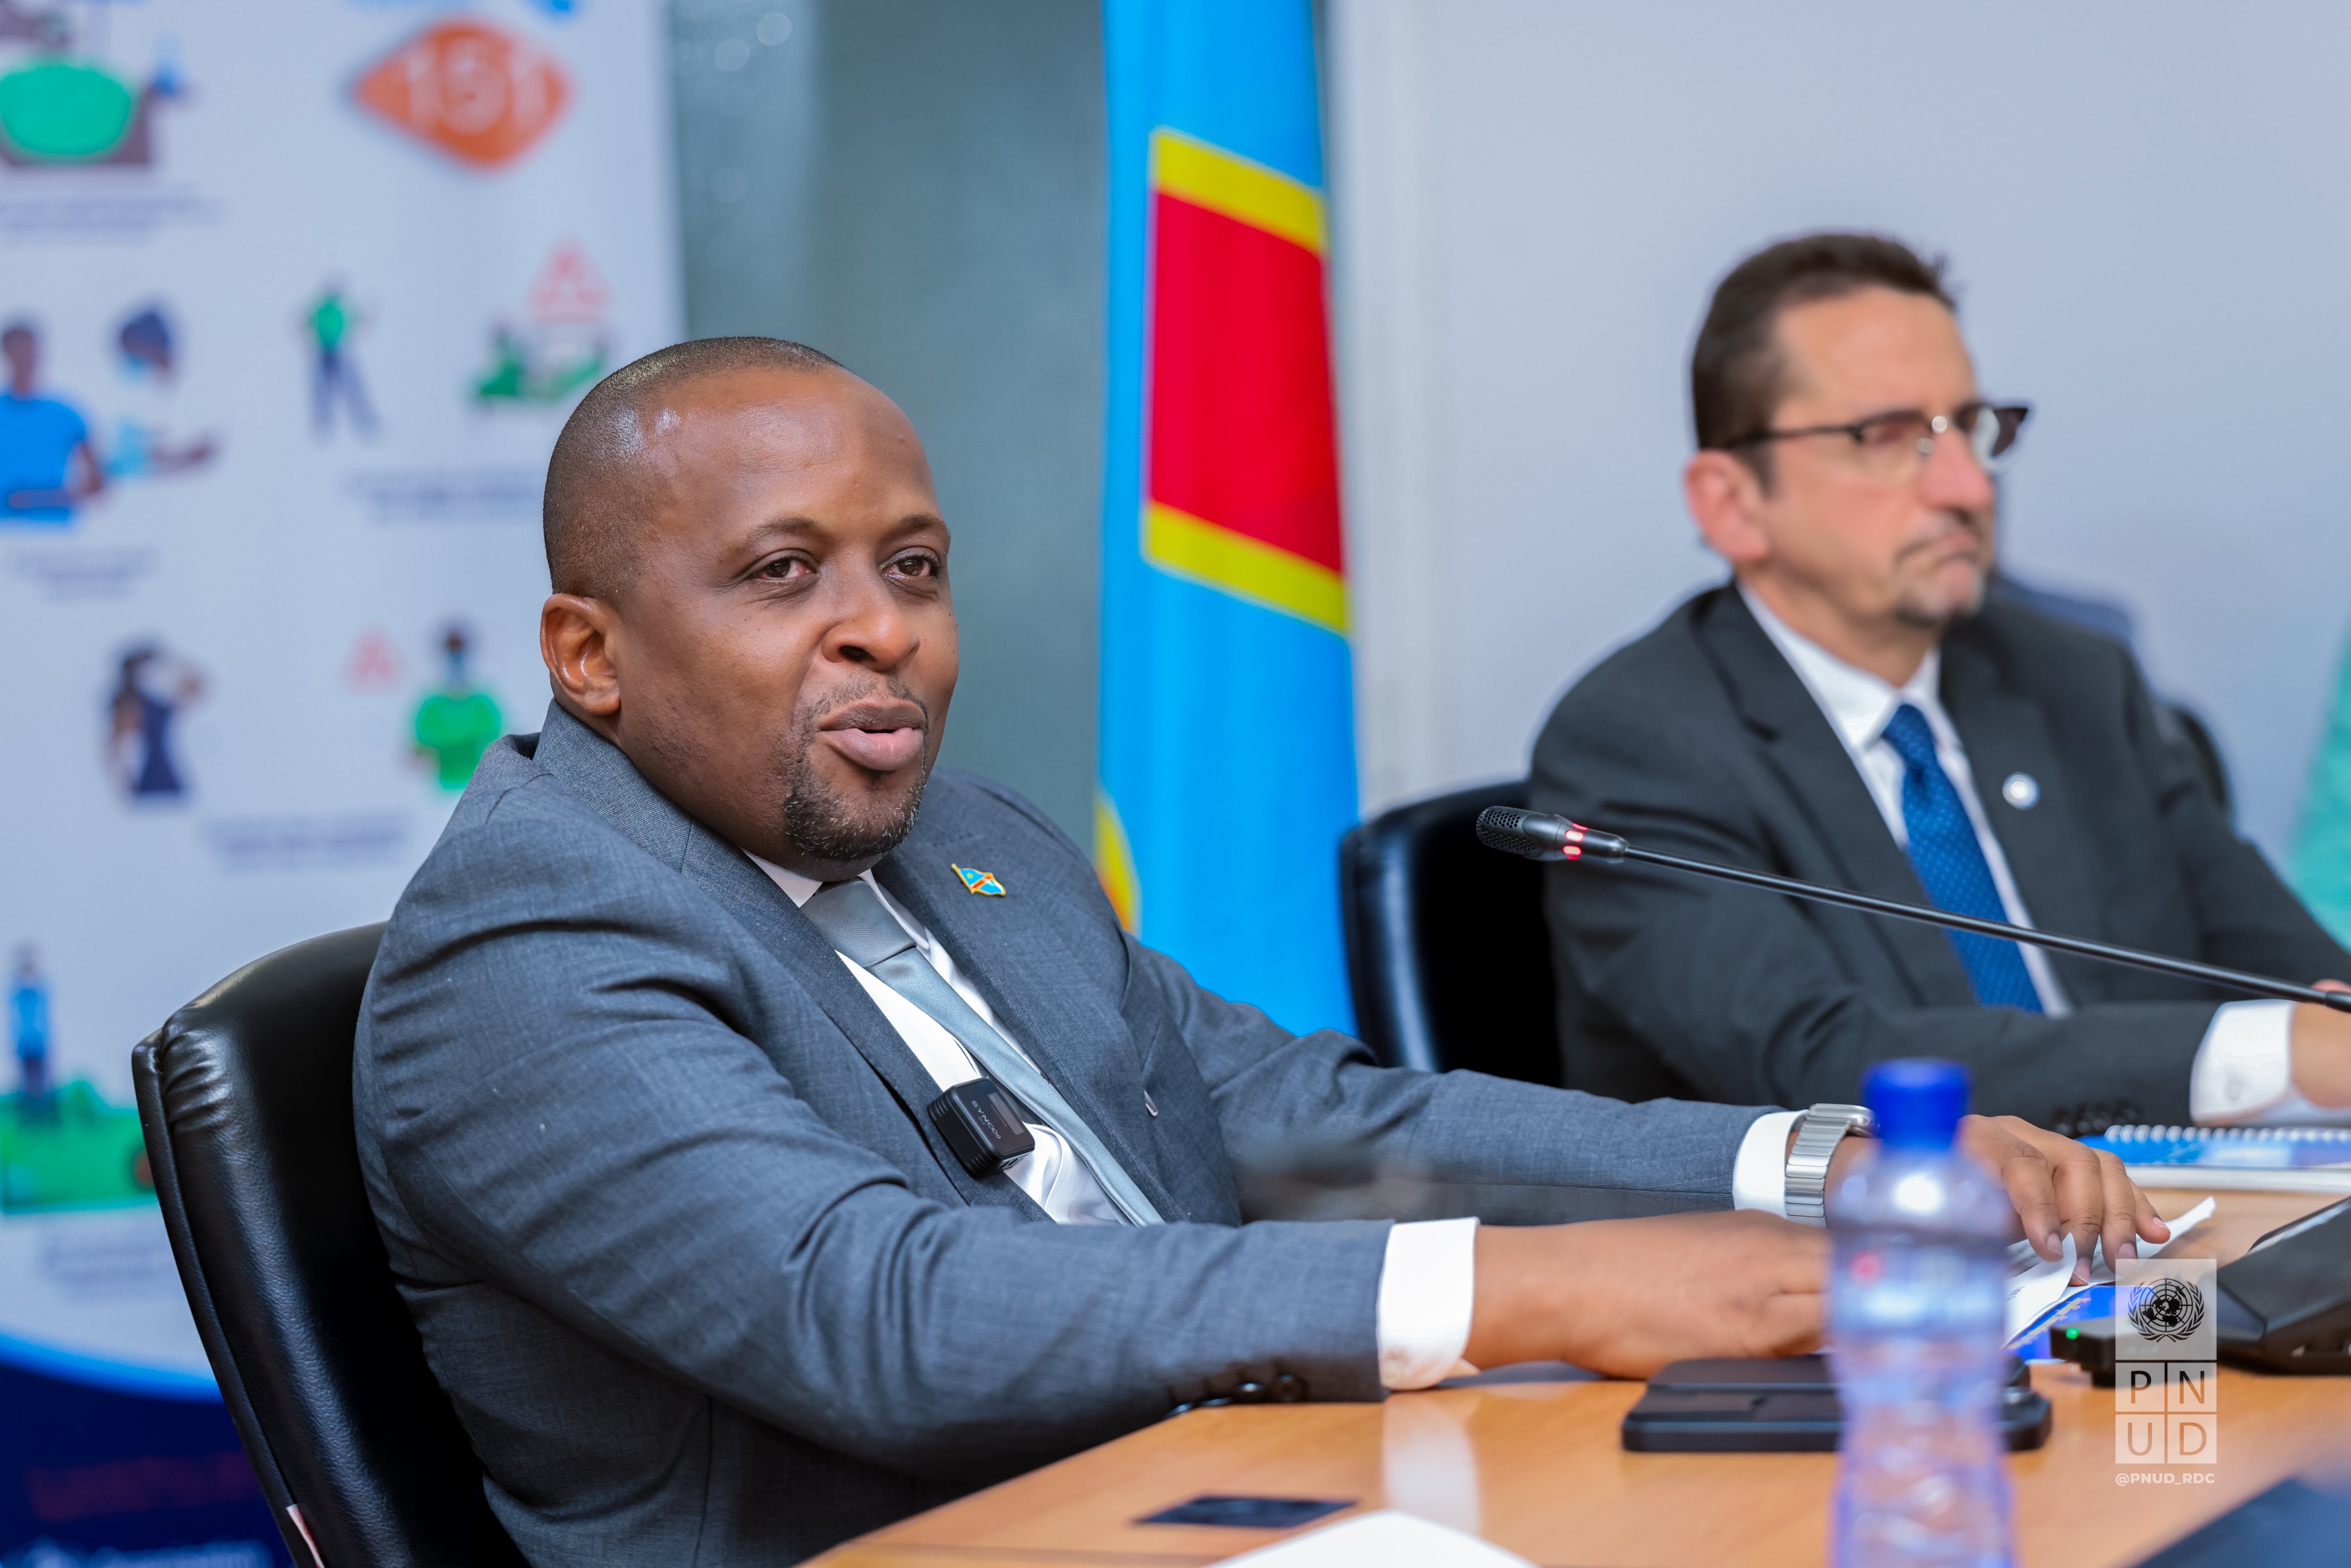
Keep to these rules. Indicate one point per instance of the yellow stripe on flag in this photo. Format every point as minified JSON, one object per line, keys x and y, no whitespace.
{"x":1210,"y":177}
{"x":1183,"y":544}
{"x":1114,"y":864}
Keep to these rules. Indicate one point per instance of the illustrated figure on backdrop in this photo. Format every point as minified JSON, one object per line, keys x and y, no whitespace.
{"x":458,"y":722}
{"x":48,"y":465}
{"x":653,"y":1066}
{"x":334,"y":375}
{"x":151,"y":691}
{"x":1853,"y":708}
{"x":143,"y":447}
{"x":29,"y":1023}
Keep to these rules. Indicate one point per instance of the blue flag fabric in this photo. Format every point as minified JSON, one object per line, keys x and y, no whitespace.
{"x":1227,"y":758}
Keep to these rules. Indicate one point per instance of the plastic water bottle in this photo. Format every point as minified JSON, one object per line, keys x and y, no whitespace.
{"x":1917,"y":1314}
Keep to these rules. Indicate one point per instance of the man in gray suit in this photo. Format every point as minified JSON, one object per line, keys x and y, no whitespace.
{"x":658,"y":1069}
{"x":1851,"y":710}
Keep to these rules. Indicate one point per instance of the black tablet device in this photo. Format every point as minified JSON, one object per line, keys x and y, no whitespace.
{"x":1787,"y":1405}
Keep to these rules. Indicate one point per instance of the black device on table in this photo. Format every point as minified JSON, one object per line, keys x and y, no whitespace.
{"x":1786,"y":1405}
{"x":2285,"y":1305}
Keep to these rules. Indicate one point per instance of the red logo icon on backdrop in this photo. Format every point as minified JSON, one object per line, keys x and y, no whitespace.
{"x":570,"y":288}
{"x":374,"y":663}
{"x":479,"y":95}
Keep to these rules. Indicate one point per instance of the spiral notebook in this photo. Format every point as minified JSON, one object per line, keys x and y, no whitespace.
{"x":2233,"y":1159}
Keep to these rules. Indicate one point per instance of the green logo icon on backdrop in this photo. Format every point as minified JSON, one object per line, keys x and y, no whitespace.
{"x":563,"y":346}
{"x":60,"y":1147}
{"x":62,"y":109}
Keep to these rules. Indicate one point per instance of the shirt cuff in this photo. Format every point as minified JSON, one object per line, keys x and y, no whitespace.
{"x":2246,"y":1065}
{"x":1428,"y":1290}
{"x":1759,"y":1177}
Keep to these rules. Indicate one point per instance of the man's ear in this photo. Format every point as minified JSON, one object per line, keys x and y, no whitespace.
{"x":1725,"y":497}
{"x":575,"y":640}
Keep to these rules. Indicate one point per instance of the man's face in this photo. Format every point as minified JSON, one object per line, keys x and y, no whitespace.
{"x":1916,"y":550}
{"x":785,"y":652}
{"x":18,"y":346}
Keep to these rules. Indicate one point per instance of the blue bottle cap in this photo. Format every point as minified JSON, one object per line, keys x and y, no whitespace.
{"x":1919,"y":1100}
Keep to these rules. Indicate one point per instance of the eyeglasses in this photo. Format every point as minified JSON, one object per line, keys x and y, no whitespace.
{"x":1895,"y":447}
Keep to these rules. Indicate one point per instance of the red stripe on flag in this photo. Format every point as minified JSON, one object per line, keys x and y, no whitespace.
{"x":1241,"y":428}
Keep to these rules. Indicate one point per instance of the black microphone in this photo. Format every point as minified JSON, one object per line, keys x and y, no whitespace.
{"x":1542,"y":838}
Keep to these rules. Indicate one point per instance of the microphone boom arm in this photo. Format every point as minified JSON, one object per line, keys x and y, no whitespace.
{"x":1538,"y":837}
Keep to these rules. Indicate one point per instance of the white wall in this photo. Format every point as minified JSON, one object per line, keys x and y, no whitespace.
{"x":2144,"y":208}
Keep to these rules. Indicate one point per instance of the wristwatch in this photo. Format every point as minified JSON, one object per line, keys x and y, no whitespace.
{"x":1819,"y":1131}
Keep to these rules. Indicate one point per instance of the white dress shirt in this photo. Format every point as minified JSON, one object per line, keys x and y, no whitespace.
{"x":2243,"y":1069}
{"x":1428,"y":1278}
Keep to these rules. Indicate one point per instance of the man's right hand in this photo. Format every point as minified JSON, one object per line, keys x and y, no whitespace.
{"x":2322,"y":1051}
{"x":1624,"y":1296}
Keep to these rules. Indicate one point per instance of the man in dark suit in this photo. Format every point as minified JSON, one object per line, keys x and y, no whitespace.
{"x":655,"y":1072}
{"x":1849,"y":710}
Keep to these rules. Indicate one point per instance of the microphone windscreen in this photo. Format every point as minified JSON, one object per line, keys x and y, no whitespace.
{"x":1517,"y":832}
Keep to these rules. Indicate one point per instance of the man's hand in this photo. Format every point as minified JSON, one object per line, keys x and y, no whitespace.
{"x":1625,"y":1297}
{"x":2061,"y":1189}
{"x":2322,"y":1051}
{"x":2058,"y":1188}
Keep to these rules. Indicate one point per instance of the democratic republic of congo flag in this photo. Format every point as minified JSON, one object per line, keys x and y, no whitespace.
{"x":1228,"y":743}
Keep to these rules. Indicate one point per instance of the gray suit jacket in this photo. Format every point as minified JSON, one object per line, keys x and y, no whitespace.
{"x":703,"y":1281}
{"x":1698,"y":740}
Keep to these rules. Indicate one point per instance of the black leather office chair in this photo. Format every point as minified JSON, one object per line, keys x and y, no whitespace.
{"x":246,"y":1096}
{"x":2184,"y":728}
{"x":1446,"y":948}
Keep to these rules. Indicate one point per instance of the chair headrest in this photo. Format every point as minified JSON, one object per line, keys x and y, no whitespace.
{"x":1446,"y":950}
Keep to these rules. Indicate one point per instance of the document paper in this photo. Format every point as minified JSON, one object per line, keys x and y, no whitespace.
{"x":2039,"y":1288}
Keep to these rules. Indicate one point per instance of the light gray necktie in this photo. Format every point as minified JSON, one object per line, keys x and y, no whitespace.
{"x":851,"y":916}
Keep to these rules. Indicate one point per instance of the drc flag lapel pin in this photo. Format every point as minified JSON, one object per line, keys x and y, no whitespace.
{"x":980,"y":881}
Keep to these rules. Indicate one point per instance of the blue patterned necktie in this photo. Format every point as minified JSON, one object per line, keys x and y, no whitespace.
{"x":1951,"y":865}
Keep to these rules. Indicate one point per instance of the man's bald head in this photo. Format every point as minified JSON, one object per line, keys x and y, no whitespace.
{"x":751,"y":596}
{"x":600,"y":490}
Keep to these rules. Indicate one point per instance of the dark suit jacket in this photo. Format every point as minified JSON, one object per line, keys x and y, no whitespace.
{"x":1699,"y":740}
{"x":704,"y":1282}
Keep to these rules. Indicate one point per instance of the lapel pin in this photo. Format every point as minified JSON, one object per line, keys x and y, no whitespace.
{"x":2021,"y":790}
{"x":980,"y":881}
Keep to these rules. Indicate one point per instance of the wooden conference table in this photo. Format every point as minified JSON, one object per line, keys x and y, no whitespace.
{"x":1536,"y":1467}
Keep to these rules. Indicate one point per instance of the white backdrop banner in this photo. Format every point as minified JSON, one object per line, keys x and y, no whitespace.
{"x":293,"y":299}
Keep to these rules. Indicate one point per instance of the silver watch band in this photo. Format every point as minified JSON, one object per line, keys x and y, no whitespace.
{"x":1819,"y":1131}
